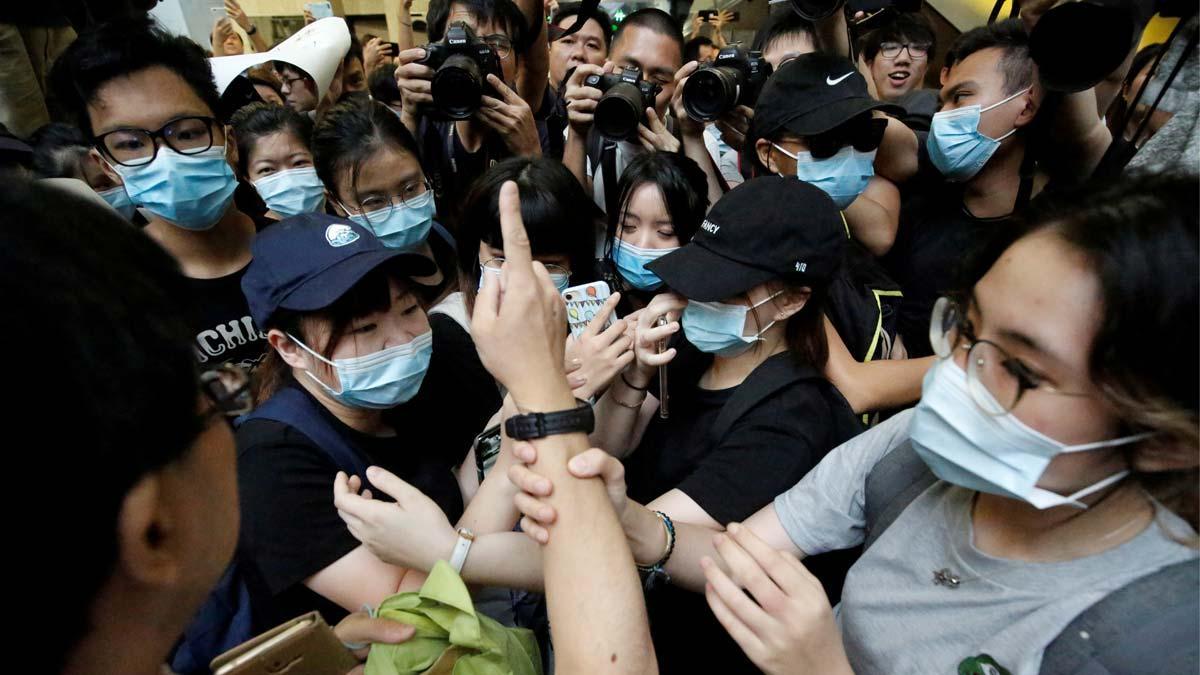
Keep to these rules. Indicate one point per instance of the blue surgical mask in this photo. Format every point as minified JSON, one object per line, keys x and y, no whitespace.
{"x":189,"y":191}
{"x":561,"y":281}
{"x":118,"y":198}
{"x":843,"y":176}
{"x":292,"y":192}
{"x":381,"y":380}
{"x":631,"y":263}
{"x":406,"y":227}
{"x":956,"y":145}
{"x":997,"y":454}
{"x":716,"y":328}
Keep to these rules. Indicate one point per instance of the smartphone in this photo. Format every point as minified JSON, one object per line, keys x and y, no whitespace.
{"x":663,"y":397}
{"x":583,"y":303}
{"x":709,"y":14}
{"x":487,"y":450}
{"x":218,"y":11}
{"x":305,"y":644}
{"x":394,"y":47}
{"x":319,"y":10}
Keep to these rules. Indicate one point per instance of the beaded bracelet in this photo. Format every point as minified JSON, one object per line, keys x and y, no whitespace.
{"x":670,"y":527}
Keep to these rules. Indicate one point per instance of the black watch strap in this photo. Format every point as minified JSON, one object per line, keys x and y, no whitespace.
{"x":541,"y":425}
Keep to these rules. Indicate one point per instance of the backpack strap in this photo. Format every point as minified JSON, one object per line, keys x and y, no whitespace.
{"x":1147,"y":626}
{"x":774,"y":374}
{"x":295,"y":408}
{"x":894,"y":482}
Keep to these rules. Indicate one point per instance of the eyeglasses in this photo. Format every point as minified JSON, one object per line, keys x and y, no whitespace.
{"x":501,"y":44}
{"x":495,"y":264}
{"x":995,"y":379}
{"x":291,"y":81}
{"x":918,"y":51}
{"x":137,"y":147}
{"x":228,"y":387}
{"x":378,"y":208}
{"x":863,"y":133}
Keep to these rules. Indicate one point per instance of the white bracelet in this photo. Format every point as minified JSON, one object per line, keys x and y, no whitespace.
{"x":461,"y":548}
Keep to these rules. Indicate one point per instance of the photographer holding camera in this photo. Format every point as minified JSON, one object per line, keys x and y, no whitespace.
{"x":460,"y":92}
{"x":626,"y":101}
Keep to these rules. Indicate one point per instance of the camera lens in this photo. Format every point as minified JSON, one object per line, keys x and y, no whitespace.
{"x":711,"y":92}
{"x":619,"y":111}
{"x":457,"y":87}
{"x":815,"y":10}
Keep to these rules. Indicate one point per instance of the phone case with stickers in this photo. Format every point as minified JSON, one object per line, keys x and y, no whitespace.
{"x":305,"y":645}
{"x":583,"y":304}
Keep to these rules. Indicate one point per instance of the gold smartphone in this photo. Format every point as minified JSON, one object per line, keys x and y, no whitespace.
{"x":305,"y":645}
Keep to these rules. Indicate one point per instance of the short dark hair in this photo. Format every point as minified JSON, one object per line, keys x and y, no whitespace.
{"x":904,"y":27}
{"x":1009,"y":35}
{"x":504,"y":12}
{"x":355,"y":51}
{"x":264,"y":82}
{"x":781,"y":25}
{"x":569,"y":9}
{"x":351,"y":132}
{"x":73,"y":267}
{"x":256,"y":120}
{"x":382,"y":84}
{"x":123,"y":47}
{"x":57,"y":150}
{"x":654,"y":20}
{"x":559,"y":216}
{"x":691,"y":50}
{"x":681,"y":182}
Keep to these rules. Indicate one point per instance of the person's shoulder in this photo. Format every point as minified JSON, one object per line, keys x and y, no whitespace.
{"x":448,"y":334}
{"x":270,"y":444}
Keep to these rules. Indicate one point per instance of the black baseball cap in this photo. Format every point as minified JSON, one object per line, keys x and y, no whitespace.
{"x":812,"y":94}
{"x":307,"y":262}
{"x":766,"y":228}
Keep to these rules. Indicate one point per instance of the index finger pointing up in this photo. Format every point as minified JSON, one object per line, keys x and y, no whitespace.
{"x":518,"y":261}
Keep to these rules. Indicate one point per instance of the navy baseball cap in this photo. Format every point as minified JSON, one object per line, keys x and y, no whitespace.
{"x":766,"y":228}
{"x":306,"y":262}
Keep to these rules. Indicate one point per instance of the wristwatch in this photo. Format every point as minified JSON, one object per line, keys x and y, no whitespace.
{"x":541,"y":425}
{"x":461,"y":548}
{"x":251,"y":30}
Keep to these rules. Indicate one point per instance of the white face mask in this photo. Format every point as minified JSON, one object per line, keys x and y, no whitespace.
{"x":998,"y":454}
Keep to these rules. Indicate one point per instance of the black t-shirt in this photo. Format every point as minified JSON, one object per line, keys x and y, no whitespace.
{"x":936,"y":238}
{"x":289,"y":526}
{"x":225,"y":333}
{"x":768,"y":450}
{"x":450,"y":167}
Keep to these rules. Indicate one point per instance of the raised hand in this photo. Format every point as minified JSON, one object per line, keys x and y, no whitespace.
{"x":412,"y":533}
{"x":537,"y":515}
{"x":512,"y":118}
{"x":599,"y":353}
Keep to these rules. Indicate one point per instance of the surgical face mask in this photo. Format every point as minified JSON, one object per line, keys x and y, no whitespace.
{"x":843,"y":176}
{"x":956,"y":145}
{"x":405,"y":226}
{"x":716,"y":328}
{"x":381,"y":380}
{"x":631,"y":263}
{"x":561,"y":280}
{"x":118,"y":198}
{"x":190,"y":191}
{"x":292,"y":192}
{"x":997,"y":454}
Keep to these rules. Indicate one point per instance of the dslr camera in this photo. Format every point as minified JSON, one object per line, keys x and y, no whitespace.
{"x":622,"y":107}
{"x":734,"y":78}
{"x":461,"y":64}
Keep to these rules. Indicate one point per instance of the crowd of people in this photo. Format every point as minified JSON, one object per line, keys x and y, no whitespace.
{"x":878,"y":376}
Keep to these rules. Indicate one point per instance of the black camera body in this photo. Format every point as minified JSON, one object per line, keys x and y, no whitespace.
{"x":734,"y":78}
{"x":461,"y":64}
{"x":622,"y":107}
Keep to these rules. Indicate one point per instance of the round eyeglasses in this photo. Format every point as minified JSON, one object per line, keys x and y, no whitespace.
{"x":378,"y":208}
{"x":995,"y":379}
{"x":494,"y":265}
{"x":916,"y":51}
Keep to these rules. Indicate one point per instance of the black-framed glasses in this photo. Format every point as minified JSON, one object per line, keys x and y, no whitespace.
{"x":917,"y":51}
{"x":128,"y":146}
{"x":378,"y":208}
{"x":501,"y":44}
{"x":995,"y":379}
{"x":865,"y":134}
{"x":228,"y":388}
{"x":494,"y":265}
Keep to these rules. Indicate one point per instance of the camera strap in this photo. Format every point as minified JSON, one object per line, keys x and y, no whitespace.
{"x":587,"y":10}
{"x":608,"y":167}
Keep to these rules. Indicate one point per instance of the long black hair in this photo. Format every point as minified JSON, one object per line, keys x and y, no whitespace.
{"x":680,"y":181}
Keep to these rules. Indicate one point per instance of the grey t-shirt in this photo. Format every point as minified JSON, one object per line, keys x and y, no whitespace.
{"x":895,"y":619}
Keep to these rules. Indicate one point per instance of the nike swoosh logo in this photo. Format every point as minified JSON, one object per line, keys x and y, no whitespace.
{"x":830,"y":81}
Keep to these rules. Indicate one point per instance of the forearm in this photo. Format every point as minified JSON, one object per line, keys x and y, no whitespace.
{"x":535,"y":62}
{"x":876,"y":385}
{"x":575,"y":157}
{"x":404,"y":32}
{"x":1081,"y":139}
{"x":616,"y":423}
{"x":492,"y":508}
{"x":872,"y":225}
{"x":694,"y":149}
{"x":505,"y":560}
{"x":831,"y":34}
{"x":599,"y":626}
{"x":260,"y":45}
